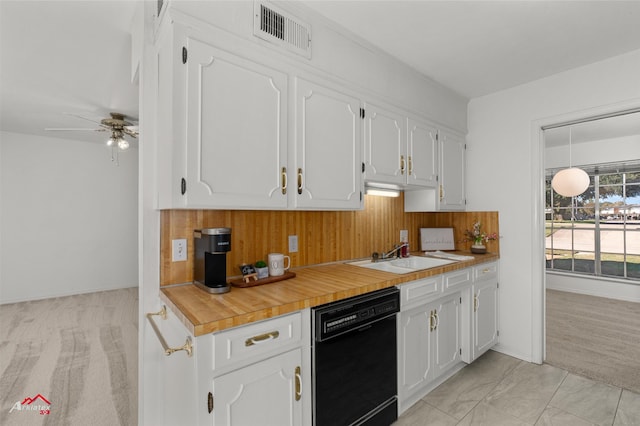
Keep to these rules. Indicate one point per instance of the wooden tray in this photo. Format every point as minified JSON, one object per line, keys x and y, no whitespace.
{"x":240,"y":282}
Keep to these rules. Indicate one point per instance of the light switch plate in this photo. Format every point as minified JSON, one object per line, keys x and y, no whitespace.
{"x":178,"y":250}
{"x":404,"y":235}
{"x":293,"y":243}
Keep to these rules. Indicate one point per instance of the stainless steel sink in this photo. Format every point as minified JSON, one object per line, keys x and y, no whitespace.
{"x":403,"y":265}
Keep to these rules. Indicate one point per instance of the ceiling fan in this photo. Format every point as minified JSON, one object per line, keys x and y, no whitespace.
{"x":117,"y":125}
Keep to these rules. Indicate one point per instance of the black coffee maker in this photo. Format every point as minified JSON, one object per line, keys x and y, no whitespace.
{"x":210,"y":264}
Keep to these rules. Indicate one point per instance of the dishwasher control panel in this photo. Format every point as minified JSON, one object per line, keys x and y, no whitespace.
{"x":336,"y":318}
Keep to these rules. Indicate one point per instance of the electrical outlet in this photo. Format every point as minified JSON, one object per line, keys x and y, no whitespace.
{"x":178,"y":250}
{"x":293,"y":243}
{"x":404,"y":235}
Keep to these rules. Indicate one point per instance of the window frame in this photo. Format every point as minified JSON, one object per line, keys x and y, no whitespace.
{"x":595,"y":202}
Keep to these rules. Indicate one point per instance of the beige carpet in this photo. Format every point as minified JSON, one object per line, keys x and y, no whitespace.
{"x":594,"y":337}
{"x":79,"y":353}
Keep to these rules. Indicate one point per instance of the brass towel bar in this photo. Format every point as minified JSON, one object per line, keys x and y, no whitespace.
{"x":187,"y":347}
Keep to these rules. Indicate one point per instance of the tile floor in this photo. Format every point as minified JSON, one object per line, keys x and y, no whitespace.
{"x":500,"y":390}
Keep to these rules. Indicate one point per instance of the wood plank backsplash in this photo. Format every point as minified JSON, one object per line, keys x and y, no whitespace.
{"x":323,"y":236}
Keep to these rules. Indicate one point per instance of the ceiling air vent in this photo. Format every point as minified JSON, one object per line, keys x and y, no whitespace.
{"x":282,"y":29}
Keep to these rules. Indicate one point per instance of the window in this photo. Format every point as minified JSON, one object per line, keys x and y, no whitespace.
{"x":596,"y":233}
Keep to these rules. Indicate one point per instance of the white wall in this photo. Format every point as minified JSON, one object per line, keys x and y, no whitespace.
{"x":501,"y":141}
{"x":68,"y":218}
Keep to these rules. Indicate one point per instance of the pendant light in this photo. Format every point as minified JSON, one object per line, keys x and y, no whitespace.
{"x":572,"y":181}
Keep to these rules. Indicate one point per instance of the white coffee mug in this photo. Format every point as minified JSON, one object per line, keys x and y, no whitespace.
{"x":276,"y":264}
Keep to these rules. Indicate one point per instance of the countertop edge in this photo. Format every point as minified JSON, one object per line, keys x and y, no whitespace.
{"x":378,"y":280}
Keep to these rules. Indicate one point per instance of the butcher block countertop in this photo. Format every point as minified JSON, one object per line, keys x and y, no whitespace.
{"x":204,"y":313}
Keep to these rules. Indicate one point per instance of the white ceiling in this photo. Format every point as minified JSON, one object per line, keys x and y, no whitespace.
{"x":480,"y":47}
{"x":73,"y":57}
{"x":65,"y":57}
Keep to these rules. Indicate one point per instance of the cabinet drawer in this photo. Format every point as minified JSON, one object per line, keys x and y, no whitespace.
{"x":457,"y":279}
{"x":415,"y":292}
{"x":257,"y":340}
{"x":487,"y":271}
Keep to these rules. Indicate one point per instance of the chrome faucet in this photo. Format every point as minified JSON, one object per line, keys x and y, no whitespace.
{"x":376,"y":257}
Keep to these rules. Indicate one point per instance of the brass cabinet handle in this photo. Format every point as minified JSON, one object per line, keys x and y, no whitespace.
{"x":162,"y":313}
{"x":299,"y":181}
{"x":298,"y":377}
{"x":431,"y":321}
{"x":284,"y":180}
{"x":475,"y":303}
{"x":410,"y":166}
{"x":402,"y":164}
{"x":441,"y":193}
{"x":435,"y":314}
{"x":485,"y":270}
{"x":261,"y":338}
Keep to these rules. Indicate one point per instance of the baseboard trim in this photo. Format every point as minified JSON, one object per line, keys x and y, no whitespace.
{"x":64,"y":294}
{"x":600,"y":288}
{"x":505,"y":350}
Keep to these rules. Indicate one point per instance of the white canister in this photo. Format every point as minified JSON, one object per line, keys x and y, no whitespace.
{"x":276,"y":264}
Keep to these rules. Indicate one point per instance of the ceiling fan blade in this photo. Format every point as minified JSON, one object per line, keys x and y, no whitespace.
{"x":131,"y":131}
{"x":72,"y":129}
{"x":83,"y":118}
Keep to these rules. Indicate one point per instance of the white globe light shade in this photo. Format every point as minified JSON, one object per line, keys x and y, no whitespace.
{"x":570,"y":182}
{"x":123,"y":144}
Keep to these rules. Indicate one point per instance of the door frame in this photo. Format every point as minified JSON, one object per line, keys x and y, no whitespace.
{"x":538,"y":270}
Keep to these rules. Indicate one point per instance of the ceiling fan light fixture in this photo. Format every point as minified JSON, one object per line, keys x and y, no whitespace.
{"x":123,"y":144}
{"x":117,"y":140}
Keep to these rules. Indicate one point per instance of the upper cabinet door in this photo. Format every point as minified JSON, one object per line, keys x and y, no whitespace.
{"x":452,"y":191}
{"x":422,"y":154}
{"x":385,"y":146}
{"x":327,"y":172}
{"x":236,"y":131}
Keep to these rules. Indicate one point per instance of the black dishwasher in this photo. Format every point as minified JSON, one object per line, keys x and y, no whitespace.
{"x":355,"y":360}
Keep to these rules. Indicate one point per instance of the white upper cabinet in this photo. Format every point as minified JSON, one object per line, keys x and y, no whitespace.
{"x":327,"y":167}
{"x":399,"y":150}
{"x":449,"y":192}
{"x":241,"y":124}
{"x":233,"y":136}
{"x":422,"y":154}
{"x":452,"y":168}
{"x":236,"y":131}
{"x":385,"y":146}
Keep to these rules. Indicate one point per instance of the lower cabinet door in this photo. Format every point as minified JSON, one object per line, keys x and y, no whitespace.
{"x":447,"y":342}
{"x":485,"y":316}
{"x":414,"y":366}
{"x":429,"y":342}
{"x":267,"y":393}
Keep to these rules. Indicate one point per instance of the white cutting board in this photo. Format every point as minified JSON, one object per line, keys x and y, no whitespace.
{"x":437,"y":239}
